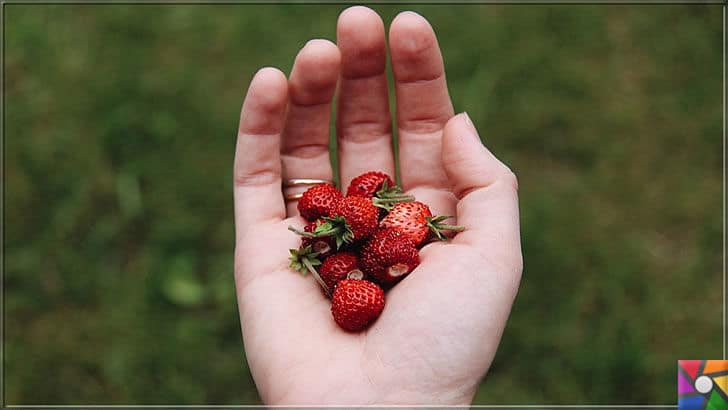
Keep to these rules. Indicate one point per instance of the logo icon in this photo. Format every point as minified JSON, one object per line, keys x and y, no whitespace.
{"x":702,"y":384}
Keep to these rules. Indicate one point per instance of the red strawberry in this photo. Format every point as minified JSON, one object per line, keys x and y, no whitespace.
{"x":356,"y":303}
{"x":415,"y":220}
{"x":359,"y":214}
{"x":340,"y":266}
{"x":389,"y":256}
{"x":380,"y":188}
{"x":318,"y":201}
{"x":367,"y":184}
{"x":353,"y":219}
{"x":409,"y":218}
{"x":324,"y":245}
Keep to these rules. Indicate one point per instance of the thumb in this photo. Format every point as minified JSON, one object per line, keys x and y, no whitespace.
{"x":468,"y":163}
{"x":487,"y":193}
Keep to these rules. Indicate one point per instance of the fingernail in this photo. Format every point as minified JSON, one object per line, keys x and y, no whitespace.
{"x":473,"y":131}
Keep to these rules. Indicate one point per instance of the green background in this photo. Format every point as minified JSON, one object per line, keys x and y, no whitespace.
{"x":119,"y":136}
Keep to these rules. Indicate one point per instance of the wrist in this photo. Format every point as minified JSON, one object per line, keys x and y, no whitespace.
{"x":456,"y":396}
{"x":368,"y":395}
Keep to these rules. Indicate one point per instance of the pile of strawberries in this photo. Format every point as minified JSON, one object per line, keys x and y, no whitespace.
{"x":357,"y":245}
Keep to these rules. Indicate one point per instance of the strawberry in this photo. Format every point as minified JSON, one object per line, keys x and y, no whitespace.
{"x":324,"y":245}
{"x":353,"y":219}
{"x":340,"y":266}
{"x":379,"y":187}
{"x":356,"y":303}
{"x":318,"y":201}
{"x":415,"y":220}
{"x":359,"y":214}
{"x":389,"y":256}
{"x":368,"y":183}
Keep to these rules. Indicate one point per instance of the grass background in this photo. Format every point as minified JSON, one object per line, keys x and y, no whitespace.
{"x":119,"y":135}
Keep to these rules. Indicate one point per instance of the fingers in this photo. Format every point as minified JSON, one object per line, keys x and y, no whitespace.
{"x":487,"y":190}
{"x":257,"y":166}
{"x":423,"y":102}
{"x":364,"y":123}
{"x":305,"y":145}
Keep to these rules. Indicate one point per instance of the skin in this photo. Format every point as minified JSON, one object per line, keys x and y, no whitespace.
{"x":441,"y":326}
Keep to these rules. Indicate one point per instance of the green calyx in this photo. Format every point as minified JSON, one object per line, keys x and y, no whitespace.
{"x":335,"y":226}
{"x":436,"y":226}
{"x":304,"y":260}
{"x":388,"y":196}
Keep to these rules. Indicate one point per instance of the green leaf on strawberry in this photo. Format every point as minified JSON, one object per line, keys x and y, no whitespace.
{"x":388,"y":196}
{"x":436,"y":226}
{"x":332,"y":226}
{"x":302,"y":259}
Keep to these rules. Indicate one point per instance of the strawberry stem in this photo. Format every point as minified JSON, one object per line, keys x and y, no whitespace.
{"x":304,"y":260}
{"x":317,"y":233}
{"x":389,"y":200}
{"x":300,"y":232}
{"x":436,"y":226}
{"x":387,"y":196}
{"x":316,"y":276}
{"x":446,"y":227}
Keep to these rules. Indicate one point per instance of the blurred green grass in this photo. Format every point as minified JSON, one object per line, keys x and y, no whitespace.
{"x":119,"y":135}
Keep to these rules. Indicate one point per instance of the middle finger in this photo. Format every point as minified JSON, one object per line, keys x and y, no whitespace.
{"x":364,"y":123}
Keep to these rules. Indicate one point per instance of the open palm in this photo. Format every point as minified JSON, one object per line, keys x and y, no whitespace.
{"x":442,"y":324}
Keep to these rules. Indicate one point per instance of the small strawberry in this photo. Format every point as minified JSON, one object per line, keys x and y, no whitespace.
{"x":340,"y":266}
{"x":415,"y":220}
{"x":360,"y":214}
{"x":318,"y":201}
{"x":388,"y":256}
{"x":324,"y":245}
{"x":356,"y":303}
{"x":353,"y":219}
{"x":379,"y":187}
{"x":368,"y":183}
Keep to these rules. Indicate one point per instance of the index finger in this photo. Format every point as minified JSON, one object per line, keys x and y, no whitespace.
{"x":257,"y":166}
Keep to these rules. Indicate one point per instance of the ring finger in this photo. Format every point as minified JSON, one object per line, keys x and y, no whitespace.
{"x":364,"y":124}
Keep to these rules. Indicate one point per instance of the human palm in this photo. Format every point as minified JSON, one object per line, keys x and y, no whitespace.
{"x":441,"y":326}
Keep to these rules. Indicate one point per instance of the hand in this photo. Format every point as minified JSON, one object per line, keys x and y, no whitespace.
{"x":442,"y":324}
